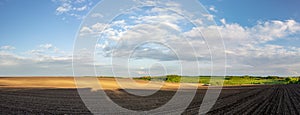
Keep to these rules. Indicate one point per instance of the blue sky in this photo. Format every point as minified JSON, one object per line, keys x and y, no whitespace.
{"x":27,"y":24}
{"x":39,"y":35}
{"x":248,"y":12}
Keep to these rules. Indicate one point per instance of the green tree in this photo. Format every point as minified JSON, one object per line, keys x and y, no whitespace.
{"x":173,"y":78}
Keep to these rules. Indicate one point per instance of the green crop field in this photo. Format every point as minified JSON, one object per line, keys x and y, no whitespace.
{"x":228,"y":80}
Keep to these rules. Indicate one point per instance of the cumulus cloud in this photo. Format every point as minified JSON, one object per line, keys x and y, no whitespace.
{"x":91,"y":31}
{"x":44,"y":60}
{"x":248,"y":48}
{"x":162,"y":27}
{"x":275,"y":29}
{"x":166,"y":37}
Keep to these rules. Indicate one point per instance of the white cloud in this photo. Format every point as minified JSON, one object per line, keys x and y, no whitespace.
{"x":236,"y":35}
{"x":209,"y":17}
{"x":272,"y":30}
{"x":91,"y":31}
{"x":65,"y":7}
{"x":213,"y":9}
{"x":97,"y":15}
{"x":86,"y":30}
{"x":81,"y":8}
{"x":80,"y":1}
{"x":46,"y":59}
{"x":7,"y":47}
{"x":223,"y":21}
{"x":46,"y":46}
{"x":248,"y":48}
{"x":98,"y":27}
{"x":73,"y":8}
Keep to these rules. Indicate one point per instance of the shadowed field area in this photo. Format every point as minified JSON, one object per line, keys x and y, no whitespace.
{"x":255,"y":99}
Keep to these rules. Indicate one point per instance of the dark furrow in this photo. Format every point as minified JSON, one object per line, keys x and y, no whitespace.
{"x":291,"y":97}
{"x":270,"y":100}
{"x":279,"y":104}
{"x":236,"y":102}
{"x":259,"y":104}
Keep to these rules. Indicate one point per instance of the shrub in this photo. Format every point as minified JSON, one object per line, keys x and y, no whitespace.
{"x":288,"y":79}
{"x":228,"y":78}
{"x":145,"y":78}
{"x":173,"y":78}
{"x":291,"y":80}
{"x":272,"y":77}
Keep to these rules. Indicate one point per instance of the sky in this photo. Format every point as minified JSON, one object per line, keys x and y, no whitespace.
{"x":37,"y":38}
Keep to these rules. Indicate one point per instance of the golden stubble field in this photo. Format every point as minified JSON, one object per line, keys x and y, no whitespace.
{"x":70,"y":82}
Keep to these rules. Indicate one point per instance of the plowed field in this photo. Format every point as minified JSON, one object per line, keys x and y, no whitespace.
{"x":261,"y":99}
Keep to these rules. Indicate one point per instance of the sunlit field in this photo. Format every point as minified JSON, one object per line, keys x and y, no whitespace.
{"x":228,"y":80}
